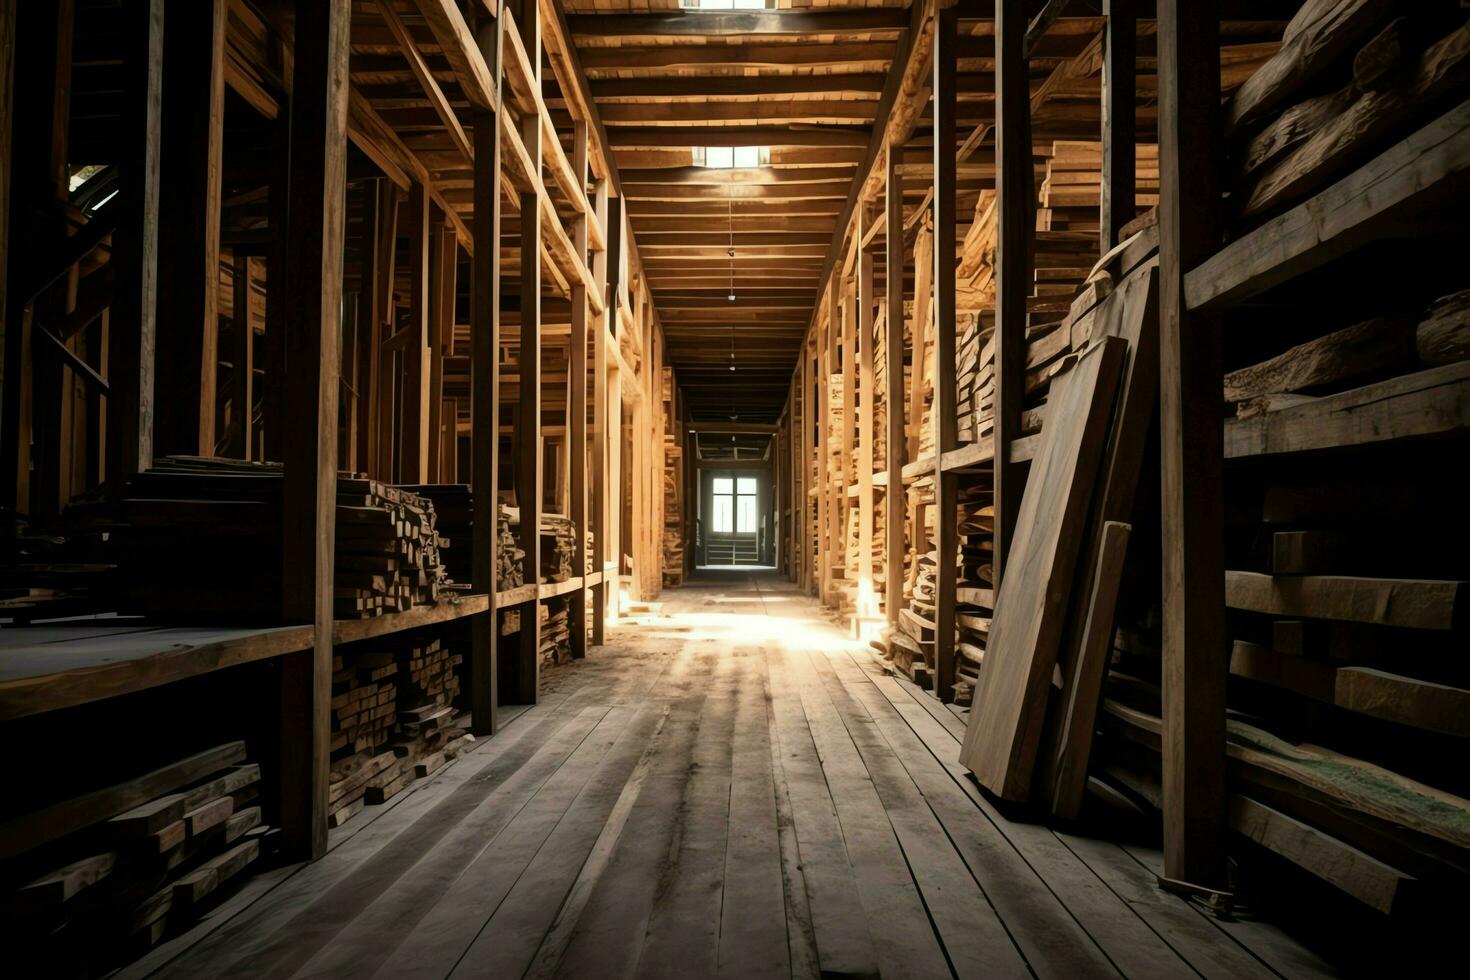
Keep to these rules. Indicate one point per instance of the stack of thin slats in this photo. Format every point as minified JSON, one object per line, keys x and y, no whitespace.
{"x":102,"y":877}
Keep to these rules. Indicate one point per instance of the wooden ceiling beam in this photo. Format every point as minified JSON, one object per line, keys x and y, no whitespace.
{"x":735,"y":86}
{"x":737,"y":55}
{"x":834,"y":189}
{"x":726,"y":178}
{"x":843,"y":111}
{"x":737,"y":23}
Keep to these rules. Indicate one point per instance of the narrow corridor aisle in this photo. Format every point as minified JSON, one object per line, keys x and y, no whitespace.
{"x":729,"y":787}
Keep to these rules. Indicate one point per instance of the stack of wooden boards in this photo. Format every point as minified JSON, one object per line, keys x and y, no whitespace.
{"x":95,"y":880}
{"x":974,"y":378}
{"x":1351,"y":77}
{"x":510,"y":559}
{"x":555,"y":635}
{"x":392,"y":721}
{"x":558,"y":544}
{"x":1071,"y":188}
{"x":198,"y":539}
{"x":1054,"y":609}
{"x":454,"y":514}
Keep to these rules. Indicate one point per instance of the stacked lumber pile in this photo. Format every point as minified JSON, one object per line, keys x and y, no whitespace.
{"x":392,"y":714}
{"x":1071,"y":189}
{"x":878,"y":437}
{"x":197,"y":539}
{"x":974,"y":377}
{"x":555,"y":636}
{"x":96,"y":880}
{"x":510,"y":559}
{"x":558,"y":544}
{"x":1349,"y":79}
{"x":454,"y":512}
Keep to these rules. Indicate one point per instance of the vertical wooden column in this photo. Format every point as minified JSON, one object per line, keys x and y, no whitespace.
{"x":131,"y":321}
{"x":893,"y":496}
{"x":274,"y":383}
{"x":1190,"y":367}
{"x":444,"y":245}
{"x":382,"y":212}
{"x":9,"y":330}
{"x":413,"y":457}
{"x":313,"y":356}
{"x":528,"y":416}
{"x":822,"y":363}
{"x":604,"y":271}
{"x":1118,"y":128}
{"x":848,"y":473}
{"x":867,"y":420}
{"x":485,"y":384}
{"x":946,"y":438}
{"x":242,"y":361}
{"x":193,"y":133}
{"x":1014,"y":226}
{"x":577,"y":409}
{"x":386,"y":322}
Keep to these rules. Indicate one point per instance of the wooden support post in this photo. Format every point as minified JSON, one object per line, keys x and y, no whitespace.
{"x":1014,"y":227}
{"x":485,"y":386}
{"x":1118,"y":127}
{"x":577,"y":410}
{"x":1195,"y":646}
{"x":822,"y":361}
{"x":10,"y":329}
{"x":847,"y":474}
{"x":386,"y":313}
{"x":193,"y":134}
{"x":893,"y":496}
{"x":528,"y":416}
{"x":36,"y":184}
{"x":946,"y":438}
{"x":242,"y":362}
{"x":413,"y":456}
{"x":135,"y":248}
{"x":445,"y":267}
{"x":609,"y":215}
{"x":274,"y":382}
{"x":867,"y":421}
{"x":313,"y":342}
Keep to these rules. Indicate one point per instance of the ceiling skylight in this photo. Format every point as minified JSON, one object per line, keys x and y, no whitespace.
{"x":732,"y":157}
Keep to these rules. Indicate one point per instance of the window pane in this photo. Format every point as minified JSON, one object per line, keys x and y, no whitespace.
{"x":718,"y":156}
{"x":747,"y":156}
{"x":722,"y":515}
{"x":747,"y":484}
{"x":747,"y":515}
{"x":723,"y":484}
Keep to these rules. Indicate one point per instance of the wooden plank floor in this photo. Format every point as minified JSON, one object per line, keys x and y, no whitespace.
{"x":729,"y":788}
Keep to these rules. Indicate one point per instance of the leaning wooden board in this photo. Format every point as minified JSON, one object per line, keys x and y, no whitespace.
{"x":1011,"y":695}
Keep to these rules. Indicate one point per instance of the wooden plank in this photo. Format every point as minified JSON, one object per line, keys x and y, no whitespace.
{"x":725,"y":23}
{"x":1015,"y":200}
{"x":1412,"y":603}
{"x":312,"y":343}
{"x":1432,"y":402}
{"x":1010,"y":698}
{"x":1086,"y":680}
{"x":189,"y":225}
{"x":28,"y":831}
{"x":1362,"y":876}
{"x":867,"y":426}
{"x":1190,"y":368}
{"x":582,"y":327}
{"x":484,"y":677}
{"x":242,"y":362}
{"x":1406,"y":700}
{"x":132,"y":319}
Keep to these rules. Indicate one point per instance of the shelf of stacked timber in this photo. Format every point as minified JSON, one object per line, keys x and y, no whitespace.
{"x":1346,"y":579}
{"x":190,"y":540}
{"x":93,"y":881}
{"x":393,"y":720}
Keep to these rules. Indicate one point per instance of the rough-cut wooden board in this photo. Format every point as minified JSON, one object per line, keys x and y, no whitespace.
{"x":1304,"y":675}
{"x":60,"y":886}
{"x":1377,"y":345}
{"x":1406,"y":700}
{"x":1417,"y":603}
{"x":1443,"y":336}
{"x":1321,"y":31}
{"x":1360,"y":875}
{"x":1293,"y":127}
{"x":1366,"y":123}
{"x":1085,"y":683}
{"x":22,"y":833}
{"x":1011,"y":694}
{"x":1426,"y":403}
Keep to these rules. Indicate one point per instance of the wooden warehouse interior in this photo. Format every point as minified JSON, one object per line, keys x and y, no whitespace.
{"x":908,"y":488}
